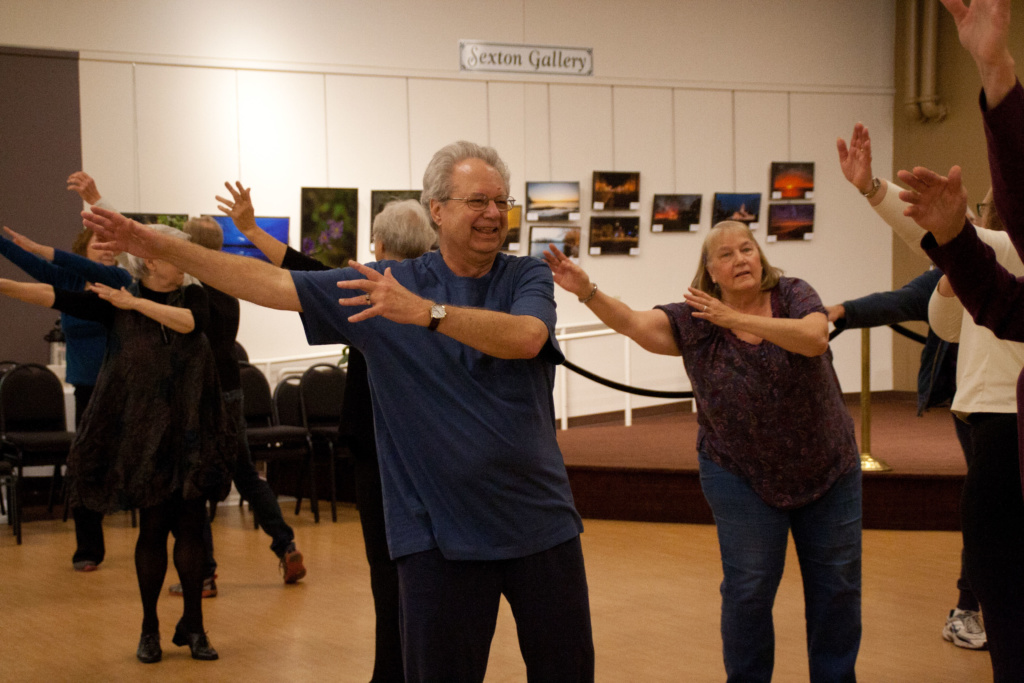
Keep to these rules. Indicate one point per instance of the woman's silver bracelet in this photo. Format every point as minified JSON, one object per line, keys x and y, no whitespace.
{"x":588,"y":297}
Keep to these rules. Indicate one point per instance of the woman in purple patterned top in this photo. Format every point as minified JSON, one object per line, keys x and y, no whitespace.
{"x":776,"y":444}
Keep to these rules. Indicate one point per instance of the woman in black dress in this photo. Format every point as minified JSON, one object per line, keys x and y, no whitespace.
{"x":155,"y":434}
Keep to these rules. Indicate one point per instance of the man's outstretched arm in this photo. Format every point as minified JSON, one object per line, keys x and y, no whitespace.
{"x":245,"y":278}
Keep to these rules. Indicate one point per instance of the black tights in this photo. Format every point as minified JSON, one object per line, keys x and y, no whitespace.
{"x":185,"y":519}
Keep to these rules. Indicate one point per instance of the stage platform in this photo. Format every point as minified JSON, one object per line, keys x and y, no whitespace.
{"x":648,"y":472}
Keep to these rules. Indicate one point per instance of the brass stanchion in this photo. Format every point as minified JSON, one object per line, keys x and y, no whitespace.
{"x":867,"y":462}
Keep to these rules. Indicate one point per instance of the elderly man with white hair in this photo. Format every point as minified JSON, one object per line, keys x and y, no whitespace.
{"x":461,"y":351}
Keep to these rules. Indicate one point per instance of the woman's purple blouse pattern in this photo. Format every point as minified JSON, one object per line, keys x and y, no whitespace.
{"x":775,"y":418}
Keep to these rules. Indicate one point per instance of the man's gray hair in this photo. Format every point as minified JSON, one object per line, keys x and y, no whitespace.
{"x":403,"y":230}
{"x":137,"y":265}
{"x":437,"y":179}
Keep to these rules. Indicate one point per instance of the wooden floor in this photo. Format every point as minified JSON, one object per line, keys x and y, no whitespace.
{"x":653,"y":588}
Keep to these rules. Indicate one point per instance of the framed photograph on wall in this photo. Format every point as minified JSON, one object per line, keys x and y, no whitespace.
{"x":552,"y":201}
{"x":175,"y":220}
{"x":237,"y":243}
{"x":790,"y":222}
{"x":676,"y":213}
{"x":329,"y":227}
{"x":614,"y":235}
{"x":732,"y":206}
{"x":515,"y":220}
{"x":616,"y":190}
{"x":792,"y":180}
{"x":380,"y":198}
{"x":565,"y":238}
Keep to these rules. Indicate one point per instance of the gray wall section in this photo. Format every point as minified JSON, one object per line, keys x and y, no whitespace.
{"x":40,"y":146}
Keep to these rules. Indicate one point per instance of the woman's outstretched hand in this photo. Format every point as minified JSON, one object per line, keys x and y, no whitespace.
{"x":568,"y":275}
{"x":855,"y":160}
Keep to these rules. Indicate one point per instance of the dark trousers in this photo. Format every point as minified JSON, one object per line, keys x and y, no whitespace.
{"x":449,"y":609}
{"x":89,"y":544}
{"x":261,"y":497}
{"x":992,"y":516}
{"x":387,"y":663}
{"x":967,"y":599}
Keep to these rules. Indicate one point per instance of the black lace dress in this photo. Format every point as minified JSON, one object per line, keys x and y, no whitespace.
{"x":155,"y":426}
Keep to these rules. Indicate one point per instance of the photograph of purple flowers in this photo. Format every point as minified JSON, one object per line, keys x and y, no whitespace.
{"x":329,"y":228}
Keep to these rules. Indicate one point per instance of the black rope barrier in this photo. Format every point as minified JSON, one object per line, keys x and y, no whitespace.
{"x":625,"y":387}
{"x":909,"y":334}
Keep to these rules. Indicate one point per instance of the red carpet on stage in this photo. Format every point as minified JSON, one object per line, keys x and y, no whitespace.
{"x":648,"y":472}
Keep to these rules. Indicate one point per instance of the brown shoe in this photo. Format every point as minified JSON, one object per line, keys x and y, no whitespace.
{"x":291,"y":565}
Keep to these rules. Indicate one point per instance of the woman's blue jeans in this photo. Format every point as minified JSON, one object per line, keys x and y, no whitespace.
{"x":753,"y":536}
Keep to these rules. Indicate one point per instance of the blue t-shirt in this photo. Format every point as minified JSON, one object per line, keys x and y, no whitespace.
{"x":468,"y":457}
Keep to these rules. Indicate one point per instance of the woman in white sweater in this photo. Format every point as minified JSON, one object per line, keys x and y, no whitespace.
{"x":985,"y":399}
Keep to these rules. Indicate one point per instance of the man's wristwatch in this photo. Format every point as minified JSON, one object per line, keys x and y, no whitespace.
{"x":437,"y":314}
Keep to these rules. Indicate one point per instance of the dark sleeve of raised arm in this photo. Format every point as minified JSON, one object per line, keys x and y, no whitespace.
{"x":1004,"y":134}
{"x":296,"y":260}
{"x":991,"y":294}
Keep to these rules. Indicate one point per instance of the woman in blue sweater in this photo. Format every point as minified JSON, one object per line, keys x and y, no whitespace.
{"x":85,"y":340}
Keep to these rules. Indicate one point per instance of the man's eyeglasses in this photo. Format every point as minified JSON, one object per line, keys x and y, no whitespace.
{"x":480,"y":202}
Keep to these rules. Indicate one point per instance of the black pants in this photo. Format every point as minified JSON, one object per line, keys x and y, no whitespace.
{"x":387,"y":664}
{"x":450,"y":608}
{"x":992,"y":516}
{"x":89,"y":544}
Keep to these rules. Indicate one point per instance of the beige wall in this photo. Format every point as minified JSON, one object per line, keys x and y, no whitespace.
{"x":179,"y":96}
{"x":958,"y":139}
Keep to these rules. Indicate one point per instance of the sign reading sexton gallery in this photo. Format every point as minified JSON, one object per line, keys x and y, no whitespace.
{"x":478,"y":55}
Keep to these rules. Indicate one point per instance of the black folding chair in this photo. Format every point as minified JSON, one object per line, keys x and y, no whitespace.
{"x":270,"y":441}
{"x":33,"y":428}
{"x":322,"y":390}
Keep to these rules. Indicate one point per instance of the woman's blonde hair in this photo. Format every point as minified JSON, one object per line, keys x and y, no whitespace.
{"x":702,"y":280}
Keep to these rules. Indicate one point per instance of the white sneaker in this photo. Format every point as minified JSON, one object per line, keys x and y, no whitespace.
{"x":964,"y":628}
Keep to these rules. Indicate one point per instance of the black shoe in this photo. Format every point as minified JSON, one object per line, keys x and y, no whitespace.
{"x":149,"y":648}
{"x":198,"y":643}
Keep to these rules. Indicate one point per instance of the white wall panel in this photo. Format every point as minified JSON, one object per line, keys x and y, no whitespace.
{"x":537,"y":123}
{"x":704,"y":145}
{"x":282,"y":140}
{"x":442,"y":112}
{"x":851,"y":252}
{"x":107,"y":103}
{"x":188,"y":137}
{"x":368,"y":141}
{"x":762,"y":136}
{"x":506,"y":111}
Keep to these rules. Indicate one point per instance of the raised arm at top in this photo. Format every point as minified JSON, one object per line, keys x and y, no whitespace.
{"x":983,"y":28}
{"x":239,"y":207}
{"x":82,"y":183}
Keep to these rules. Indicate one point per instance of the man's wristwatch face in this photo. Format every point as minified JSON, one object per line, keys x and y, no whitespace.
{"x":437,"y":314}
